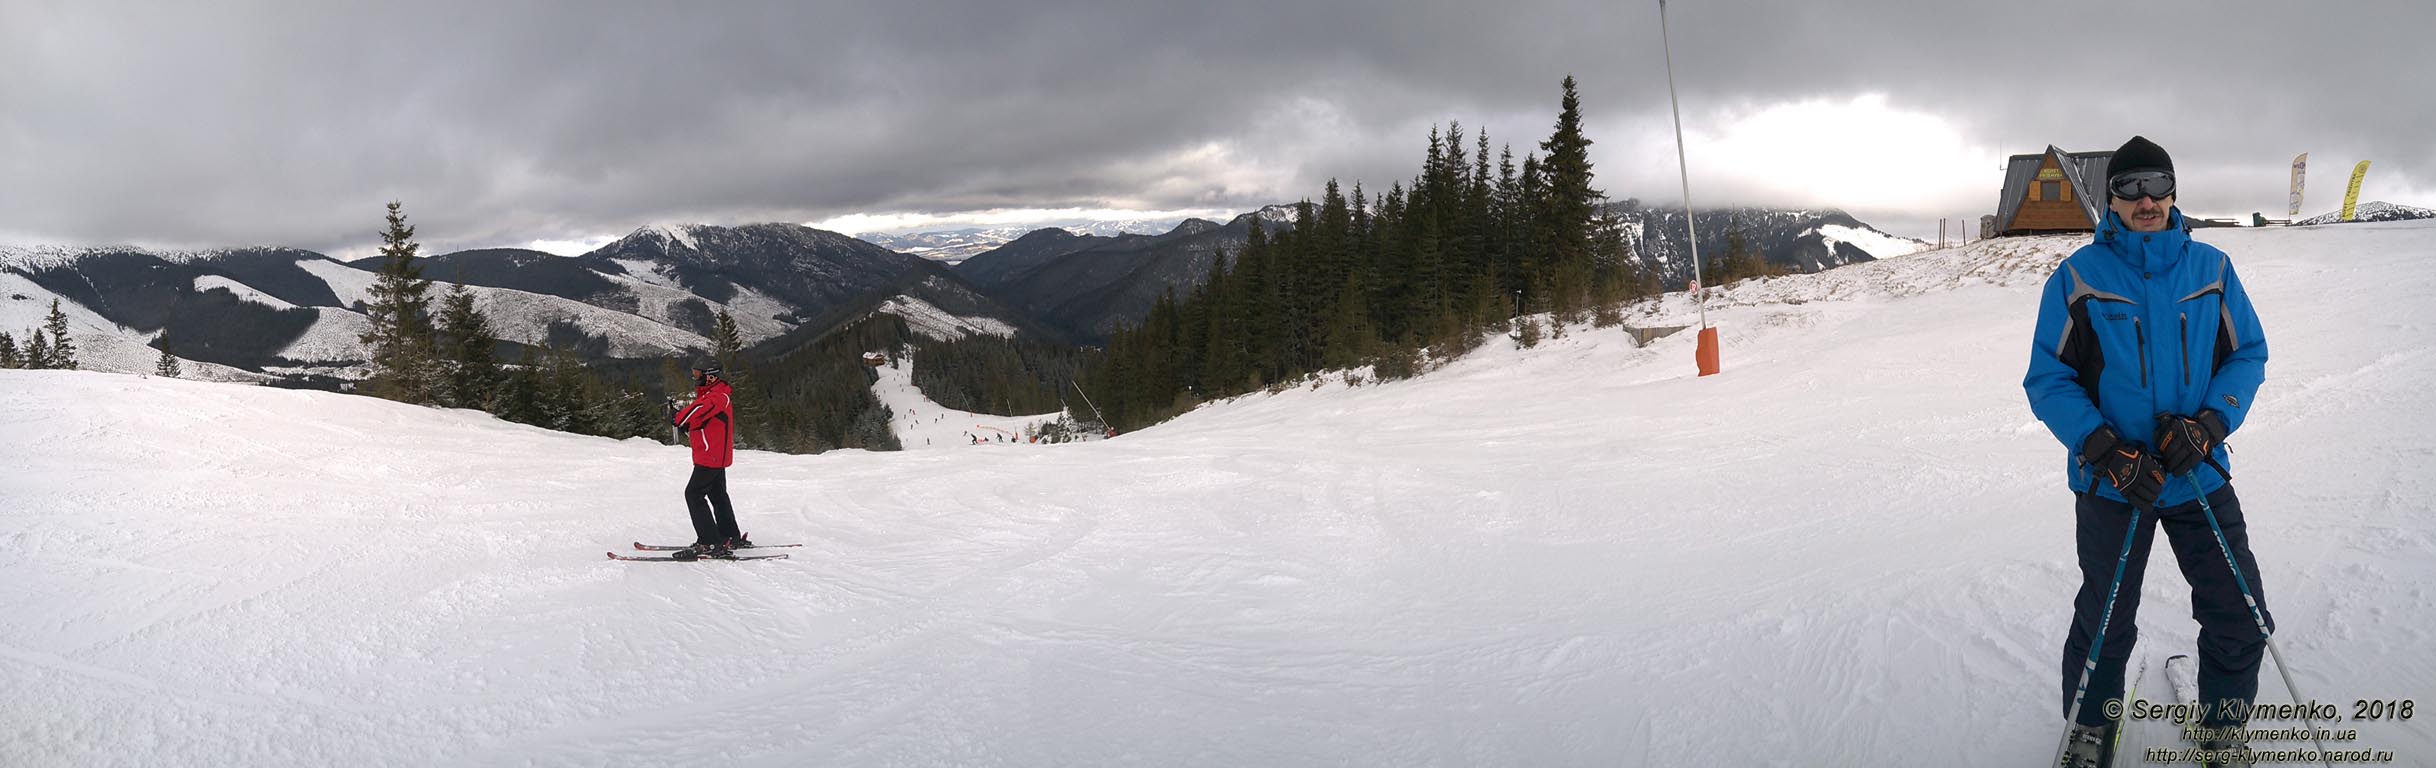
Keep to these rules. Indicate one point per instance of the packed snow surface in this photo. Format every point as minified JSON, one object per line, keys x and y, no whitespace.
{"x":1854,"y":547}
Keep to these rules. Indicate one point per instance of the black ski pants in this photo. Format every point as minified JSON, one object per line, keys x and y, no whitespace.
{"x":705,"y":495}
{"x":2229,"y":643}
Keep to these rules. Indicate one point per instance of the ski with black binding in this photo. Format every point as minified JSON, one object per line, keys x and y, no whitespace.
{"x":674,"y":547}
{"x":668,"y":559}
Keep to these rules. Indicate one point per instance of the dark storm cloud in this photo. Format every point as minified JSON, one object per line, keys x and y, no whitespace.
{"x":291,"y":123}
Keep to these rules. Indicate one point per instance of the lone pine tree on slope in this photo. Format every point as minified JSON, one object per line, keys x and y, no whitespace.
{"x":168,"y":364}
{"x":404,"y":367}
{"x":63,"y":350}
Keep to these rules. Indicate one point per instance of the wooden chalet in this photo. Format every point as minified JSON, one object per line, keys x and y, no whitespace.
{"x":2052,"y":191}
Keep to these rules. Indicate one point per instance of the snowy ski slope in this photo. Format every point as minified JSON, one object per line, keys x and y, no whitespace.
{"x":1852,"y":548}
{"x":922,"y":425}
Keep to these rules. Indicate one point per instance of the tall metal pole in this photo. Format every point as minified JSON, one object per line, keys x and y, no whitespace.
{"x":1095,"y":409}
{"x":1683,"y":166}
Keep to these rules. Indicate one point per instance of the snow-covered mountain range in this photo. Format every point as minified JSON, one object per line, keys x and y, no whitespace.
{"x":1853,"y":547}
{"x":256,"y":313}
{"x":947,"y":246}
{"x":953,"y":246}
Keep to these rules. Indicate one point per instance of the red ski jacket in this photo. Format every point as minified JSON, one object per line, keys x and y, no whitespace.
{"x":710,"y":426}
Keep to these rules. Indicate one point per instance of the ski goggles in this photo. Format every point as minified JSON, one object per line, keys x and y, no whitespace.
{"x":2157,"y":185}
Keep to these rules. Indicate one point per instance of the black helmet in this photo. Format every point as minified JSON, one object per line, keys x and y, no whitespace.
{"x":708,"y":366}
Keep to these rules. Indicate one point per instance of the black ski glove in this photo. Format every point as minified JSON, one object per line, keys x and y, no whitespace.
{"x":2182,"y":443}
{"x":2135,"y":473}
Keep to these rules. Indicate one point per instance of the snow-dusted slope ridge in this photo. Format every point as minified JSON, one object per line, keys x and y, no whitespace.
{"x":1853,"y":547}
{"x":1875,"y":243}
{"x":929,"y":320}
{"x":101,"y":344}
{"x":523,"y":316}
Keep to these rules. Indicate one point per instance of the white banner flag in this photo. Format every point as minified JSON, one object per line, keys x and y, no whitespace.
{"x":2300,"y":169}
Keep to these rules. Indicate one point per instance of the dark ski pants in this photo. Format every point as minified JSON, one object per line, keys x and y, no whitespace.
{"x":704,"y":494}
{"x":2229,"y":643}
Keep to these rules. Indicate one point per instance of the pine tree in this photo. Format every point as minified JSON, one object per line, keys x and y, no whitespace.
{"x":744,"y":398}
{"x":1480,"y":210}
{"x":1526,"y":331}
{"x":520,"y":396}
{"x":1616,"y":279}
{"x":400,"y":339}
{"x":564,"y":400}
{"x":725,"y":340}
{"x":168,"y":364}
{"x":37,"y":351}
{"x":9,"y":357}
{"x":1570,"y":207}
{"x":467,"y":342}
{"x":1348,"y":330}
{"x":672,"y":379}
{"x":1222,"y":358}
{"x":63,"y":349}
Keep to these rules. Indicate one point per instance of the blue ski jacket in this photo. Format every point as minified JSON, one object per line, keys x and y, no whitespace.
{"x":2136,"y":324}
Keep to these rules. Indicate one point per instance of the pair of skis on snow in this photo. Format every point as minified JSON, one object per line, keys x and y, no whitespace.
{"x":2180,"y":675}
{"x":739,"y":555}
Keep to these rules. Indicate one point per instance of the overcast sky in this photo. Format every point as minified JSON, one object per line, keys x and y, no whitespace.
{"x":224,"y":123}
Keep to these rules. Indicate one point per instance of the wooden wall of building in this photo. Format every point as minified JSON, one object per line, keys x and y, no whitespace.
{"x":2040,"y":212}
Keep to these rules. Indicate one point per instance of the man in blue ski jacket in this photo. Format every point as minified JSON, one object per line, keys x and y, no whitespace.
{"x":2147,"y":354}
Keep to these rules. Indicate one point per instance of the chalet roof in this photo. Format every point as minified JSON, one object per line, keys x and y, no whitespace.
{"x":2085,"y":171}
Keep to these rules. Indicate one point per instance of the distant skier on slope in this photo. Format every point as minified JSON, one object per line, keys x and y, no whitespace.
{"x":709,"y":426}
{"x":2147,"y":354}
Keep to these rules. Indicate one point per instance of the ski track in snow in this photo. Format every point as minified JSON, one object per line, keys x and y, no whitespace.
{"x":1854,"y":544}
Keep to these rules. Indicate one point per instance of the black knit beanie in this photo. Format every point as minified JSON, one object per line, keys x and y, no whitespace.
{"x":2139,"y":154}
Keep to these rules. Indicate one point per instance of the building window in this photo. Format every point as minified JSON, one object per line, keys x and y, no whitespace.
{"x":2050,"y":190}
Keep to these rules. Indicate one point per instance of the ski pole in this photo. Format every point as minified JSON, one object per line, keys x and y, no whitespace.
{"x":2072,"y":717}
{"x":2255,"y":616}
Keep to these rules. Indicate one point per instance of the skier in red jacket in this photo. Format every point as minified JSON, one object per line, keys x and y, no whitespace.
{"x":708,"y":424}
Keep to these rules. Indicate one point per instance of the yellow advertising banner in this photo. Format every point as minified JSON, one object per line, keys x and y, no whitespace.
{"x":2351,"y":196}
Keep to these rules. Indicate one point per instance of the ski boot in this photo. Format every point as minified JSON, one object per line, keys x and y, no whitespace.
{"x":703,"y":551}
{"x":2088,"y":746}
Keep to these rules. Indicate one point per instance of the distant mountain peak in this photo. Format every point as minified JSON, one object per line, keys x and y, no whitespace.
{"x":671,"y":234}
